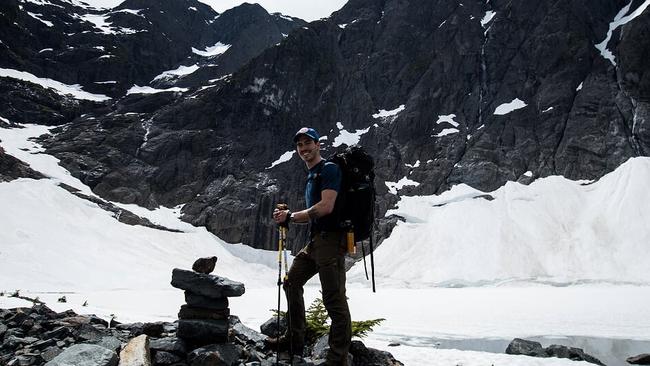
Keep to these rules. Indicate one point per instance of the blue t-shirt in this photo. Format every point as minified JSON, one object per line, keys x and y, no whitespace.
{"x":324,"y":175}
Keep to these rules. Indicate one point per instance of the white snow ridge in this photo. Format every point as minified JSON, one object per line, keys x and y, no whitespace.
{"x":211,"y":51}
{"x":75,"y":90}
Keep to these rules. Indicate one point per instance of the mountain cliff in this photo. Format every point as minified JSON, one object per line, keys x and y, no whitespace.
{"x":441,"y":93}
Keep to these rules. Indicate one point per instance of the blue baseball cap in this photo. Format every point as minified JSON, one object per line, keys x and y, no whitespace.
{"x":307,"y":131}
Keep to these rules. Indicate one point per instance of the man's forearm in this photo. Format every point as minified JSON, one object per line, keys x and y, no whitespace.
{"x":314,"y":212}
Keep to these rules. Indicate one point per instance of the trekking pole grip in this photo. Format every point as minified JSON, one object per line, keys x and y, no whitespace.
{"x":284,"y":207}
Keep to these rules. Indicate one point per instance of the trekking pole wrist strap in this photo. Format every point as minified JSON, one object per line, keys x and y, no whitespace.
{"x":287,"y":220}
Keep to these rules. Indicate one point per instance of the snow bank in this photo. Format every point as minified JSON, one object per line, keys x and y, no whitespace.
{"x":554,"y":230}
{"x":53,"y":241}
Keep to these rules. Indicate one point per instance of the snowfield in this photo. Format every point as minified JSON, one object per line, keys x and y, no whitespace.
{"x":458,"y":278}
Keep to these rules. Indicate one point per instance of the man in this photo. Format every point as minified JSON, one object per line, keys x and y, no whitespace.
{"x":323,"y":255}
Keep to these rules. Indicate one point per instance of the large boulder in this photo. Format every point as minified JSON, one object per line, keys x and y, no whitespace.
{"x":270,"y":327}
{"x":136,"y":352}
{"x":244,"y":334}
{"x":364,"y":356}
{"x":525,"y":347}
{"x":85,"y":355}
{"x":215,"y":355}
{"x":642,"y":359}
{"x":205,"y":284}
{"x":572,"y":353}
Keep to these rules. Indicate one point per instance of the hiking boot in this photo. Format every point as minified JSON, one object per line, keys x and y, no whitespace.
{"x":283,"y":344}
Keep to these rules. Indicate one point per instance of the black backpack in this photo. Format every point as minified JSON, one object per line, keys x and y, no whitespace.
{"x":357,"y":196}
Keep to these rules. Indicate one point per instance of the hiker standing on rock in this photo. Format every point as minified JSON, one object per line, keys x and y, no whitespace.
{"x":324,"y":254}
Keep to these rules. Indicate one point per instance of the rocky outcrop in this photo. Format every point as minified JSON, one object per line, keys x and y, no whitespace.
{"x":531,"y":348}
{"x":139,"y":40}
{"x":203,"y":335}
{"x":642,"y":359}
{"x":84,"y":355}
{"x":12,"y":168}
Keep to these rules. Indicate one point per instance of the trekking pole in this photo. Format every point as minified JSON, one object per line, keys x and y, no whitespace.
{"x":280,"y":249}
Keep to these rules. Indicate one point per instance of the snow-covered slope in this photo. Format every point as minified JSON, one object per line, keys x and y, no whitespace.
{"x":554,"y":230}
{"x":53,"y":241}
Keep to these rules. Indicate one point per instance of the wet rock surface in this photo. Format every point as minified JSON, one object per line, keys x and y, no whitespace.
{"x":531,"y":348}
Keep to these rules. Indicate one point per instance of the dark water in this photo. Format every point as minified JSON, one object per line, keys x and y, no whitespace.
{"x":610,"y":351}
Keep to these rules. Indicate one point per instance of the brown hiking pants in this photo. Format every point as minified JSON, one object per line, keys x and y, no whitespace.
{"x":323,"y":255}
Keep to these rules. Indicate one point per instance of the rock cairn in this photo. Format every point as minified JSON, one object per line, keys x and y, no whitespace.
{"x":203,"y":319}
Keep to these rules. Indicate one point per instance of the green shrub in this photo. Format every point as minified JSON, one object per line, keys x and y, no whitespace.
{"x":317,"y":326}
{"x":317,"y":322}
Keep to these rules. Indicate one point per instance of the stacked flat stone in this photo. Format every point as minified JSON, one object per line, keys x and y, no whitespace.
{"x":203,"y":319}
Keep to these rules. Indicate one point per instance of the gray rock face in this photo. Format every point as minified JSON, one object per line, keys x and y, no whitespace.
{"x":205,"y":284}
{"x":85,"y":355}
{"x":12,"y":168}
{"x":158,"y":38}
